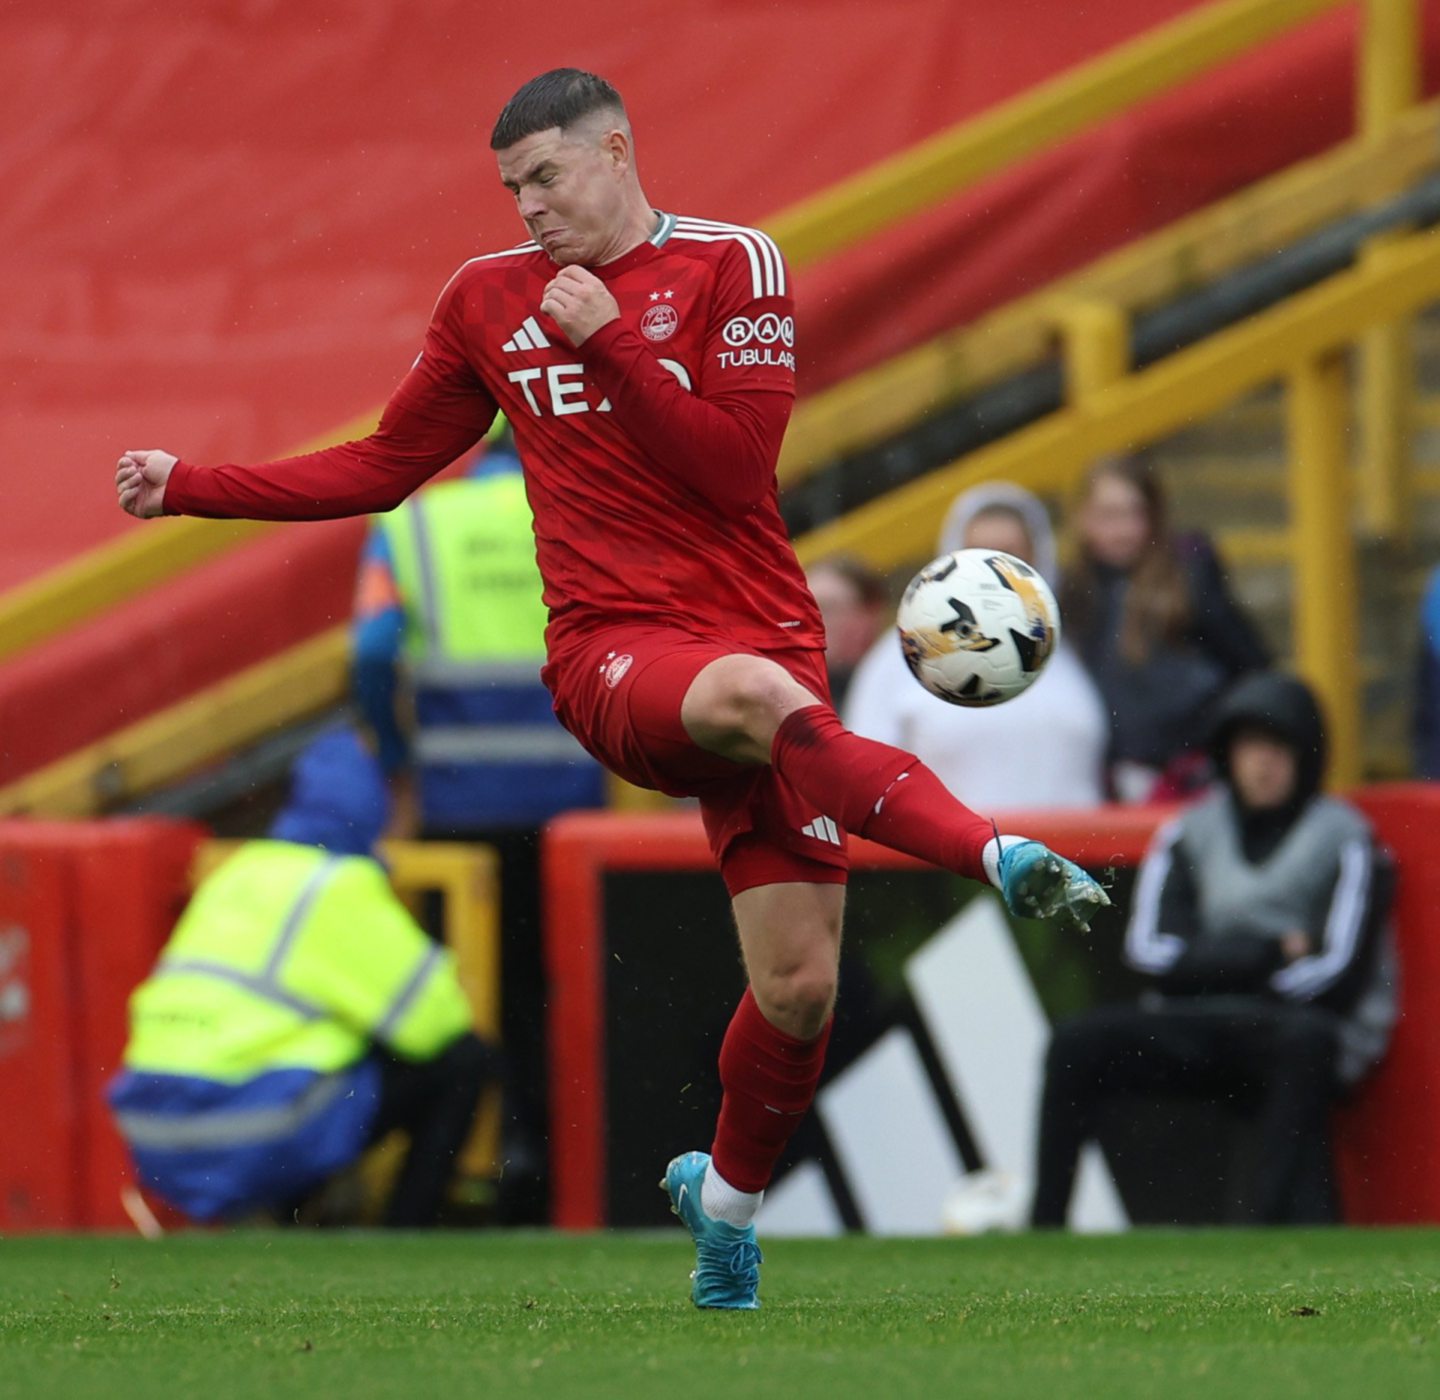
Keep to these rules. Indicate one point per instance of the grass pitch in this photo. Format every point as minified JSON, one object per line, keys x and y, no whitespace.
{"x":490,"y":1314}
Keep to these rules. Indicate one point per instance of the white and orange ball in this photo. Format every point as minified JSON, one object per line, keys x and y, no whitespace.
{"x":977,"y":626}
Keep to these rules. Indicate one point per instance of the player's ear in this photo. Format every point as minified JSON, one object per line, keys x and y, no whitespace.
{"x":616,"y":146}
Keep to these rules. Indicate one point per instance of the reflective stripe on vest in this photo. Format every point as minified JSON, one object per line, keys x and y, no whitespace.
{"x":407,"y":994}
{"x":464,"y":560}
{"x":266,"y":983}
{"x":498,"y":743}
{"x":241,"y":1127}
{"x":263,"y":987}
{"x":443,"y":673}
{"x":429,"y":599}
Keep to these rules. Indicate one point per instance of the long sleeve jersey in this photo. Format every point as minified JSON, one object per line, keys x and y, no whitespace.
{"x":649,"y":452}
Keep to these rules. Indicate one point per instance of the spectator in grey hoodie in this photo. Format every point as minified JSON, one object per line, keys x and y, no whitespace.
{"x":1260,"y":920}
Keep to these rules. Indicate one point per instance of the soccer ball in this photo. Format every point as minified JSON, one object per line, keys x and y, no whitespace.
{"x":977,"y":626}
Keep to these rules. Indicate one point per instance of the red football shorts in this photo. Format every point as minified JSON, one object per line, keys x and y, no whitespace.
{"x":620,"y":696}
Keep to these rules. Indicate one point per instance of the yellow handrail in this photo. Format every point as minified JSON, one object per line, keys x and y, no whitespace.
{"x":936,"y":169}
{"x":899,"y":527}
{"x":1298,"y":341}
{"x":883,"y":401}
{"x":886,"y":193}
{"x":139,"y":559}
{"x":306,"y":679}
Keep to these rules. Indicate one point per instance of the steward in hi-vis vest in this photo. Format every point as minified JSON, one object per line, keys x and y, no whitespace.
{"x":450,"y":591}
{"x":294,"y":994}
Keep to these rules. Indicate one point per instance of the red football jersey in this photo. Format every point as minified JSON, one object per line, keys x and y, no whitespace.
{"x":649,"y":452}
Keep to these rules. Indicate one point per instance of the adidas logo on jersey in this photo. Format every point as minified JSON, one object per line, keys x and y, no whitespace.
{"x":822,"y":829}
{"x":528,"y":337}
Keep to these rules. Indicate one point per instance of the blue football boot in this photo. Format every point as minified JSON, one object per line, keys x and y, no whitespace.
{"x":1038,"y":884}
{"x":727,"y":1263}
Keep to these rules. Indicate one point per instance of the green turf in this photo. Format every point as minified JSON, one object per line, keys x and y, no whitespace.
{"x":488,"y":1314}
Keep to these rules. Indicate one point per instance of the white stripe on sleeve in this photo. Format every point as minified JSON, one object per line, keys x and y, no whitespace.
{"x":1309,"y":976}
{"x":767,"y":267}
{"x":1147,"y":948}
{"x":769,"y":253}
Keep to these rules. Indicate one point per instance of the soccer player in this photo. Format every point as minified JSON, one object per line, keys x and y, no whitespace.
{"x":646,"y":361}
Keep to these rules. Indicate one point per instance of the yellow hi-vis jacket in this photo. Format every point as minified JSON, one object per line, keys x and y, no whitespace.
{"x":248,"y":1076}
{"x":488,"y":749}
{"x":288,"y":957}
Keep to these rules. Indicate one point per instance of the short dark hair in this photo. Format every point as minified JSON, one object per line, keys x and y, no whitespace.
{"x":561,"y":97}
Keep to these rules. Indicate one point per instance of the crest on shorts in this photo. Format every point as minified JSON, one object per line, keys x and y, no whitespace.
{"x":616,"y":667}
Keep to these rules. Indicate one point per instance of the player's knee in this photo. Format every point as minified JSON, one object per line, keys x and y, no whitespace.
{"x":798,"y":1002}
{"x":760,"y":690}
{"x":746,"y":694}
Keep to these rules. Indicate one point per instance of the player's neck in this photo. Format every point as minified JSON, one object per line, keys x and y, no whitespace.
{"x":638,"y":226}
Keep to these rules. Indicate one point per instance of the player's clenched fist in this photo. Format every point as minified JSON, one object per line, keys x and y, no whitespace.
{"x":579,"y":302}
{"x":140,"y":477}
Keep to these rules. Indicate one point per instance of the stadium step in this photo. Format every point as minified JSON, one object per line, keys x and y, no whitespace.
{"x":1228,"y":476}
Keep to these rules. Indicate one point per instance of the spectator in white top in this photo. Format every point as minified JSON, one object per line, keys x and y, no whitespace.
{"x":1045,"y":748}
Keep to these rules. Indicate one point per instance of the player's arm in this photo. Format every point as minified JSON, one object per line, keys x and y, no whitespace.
{"x":438,"y":412}
{"x":722,"y":439}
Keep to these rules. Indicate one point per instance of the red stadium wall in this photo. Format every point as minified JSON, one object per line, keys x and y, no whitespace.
{"x":1387,"y":1139}
{"x":84,"y":911}
{"x":225,"y":236}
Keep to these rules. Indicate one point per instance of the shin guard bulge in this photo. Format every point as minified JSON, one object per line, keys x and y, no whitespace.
{"x":769,"y":1080}
{"x":878,"y":791}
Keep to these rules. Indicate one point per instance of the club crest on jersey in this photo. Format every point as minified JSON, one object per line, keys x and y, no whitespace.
{"x":660,"y":321}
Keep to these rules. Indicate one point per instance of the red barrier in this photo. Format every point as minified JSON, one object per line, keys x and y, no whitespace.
{"x":38,"y":1100}
{"x":1388,"y":1139}
{"x":84,"y":910}
{"x":1388,"y":1146}
{"x":130,"y":882}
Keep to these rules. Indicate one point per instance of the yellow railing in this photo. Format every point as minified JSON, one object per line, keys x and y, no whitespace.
{"x":139,"y":559}
{"x":883,"y":402}
{"x":306,"y":679}
{"x":1296,"y":342}
{"x":877,"y":198}
{"x":943,"y":166}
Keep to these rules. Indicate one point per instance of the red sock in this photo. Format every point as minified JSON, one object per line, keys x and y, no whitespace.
{"x":769,"y":1080}
{"x":877,"y":791}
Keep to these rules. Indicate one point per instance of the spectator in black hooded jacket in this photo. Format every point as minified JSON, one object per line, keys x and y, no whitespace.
{"x":1256,"y":914}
